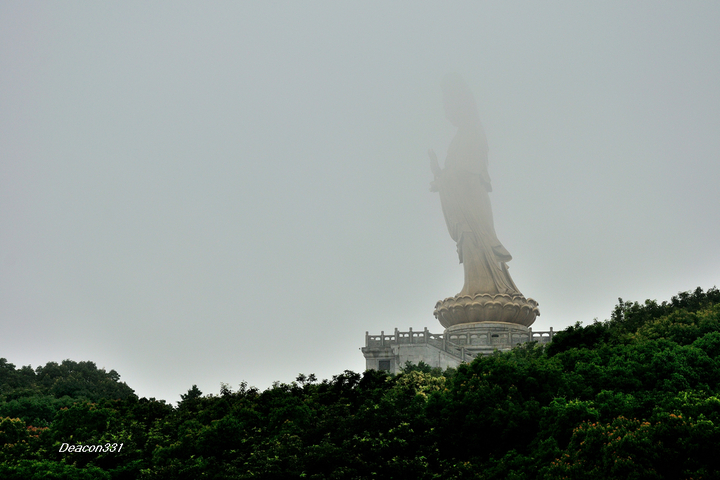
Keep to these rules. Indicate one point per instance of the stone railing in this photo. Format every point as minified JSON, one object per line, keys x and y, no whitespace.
{"x":542,"y":337}
{"x":453,"y":344}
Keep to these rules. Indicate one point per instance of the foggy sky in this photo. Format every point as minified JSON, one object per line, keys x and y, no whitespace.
{"x":196,"y":193}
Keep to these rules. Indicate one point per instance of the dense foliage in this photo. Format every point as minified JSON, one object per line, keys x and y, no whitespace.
{"x":636,"y":397}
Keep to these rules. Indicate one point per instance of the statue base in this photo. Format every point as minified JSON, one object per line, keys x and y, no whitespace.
{"x":458,"y":344}
{"x":484,"y":307}
{"x":484,"y":338}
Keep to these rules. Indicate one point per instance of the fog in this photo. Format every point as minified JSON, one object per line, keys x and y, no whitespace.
{"x":196,"y":193}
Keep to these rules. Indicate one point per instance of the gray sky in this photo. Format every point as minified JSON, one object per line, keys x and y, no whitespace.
{"x":196,"y":193}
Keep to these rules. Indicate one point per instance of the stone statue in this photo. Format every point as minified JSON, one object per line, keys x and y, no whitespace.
{"x":489,"y":293}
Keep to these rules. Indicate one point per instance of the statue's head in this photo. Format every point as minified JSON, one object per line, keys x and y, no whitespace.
{"x":460,"y":106}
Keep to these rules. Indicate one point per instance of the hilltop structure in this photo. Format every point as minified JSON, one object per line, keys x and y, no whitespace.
{"x":390,"y":352}
{"x":490,"y":313}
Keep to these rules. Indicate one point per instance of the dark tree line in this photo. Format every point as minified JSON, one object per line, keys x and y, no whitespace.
{"x":636,"y":396}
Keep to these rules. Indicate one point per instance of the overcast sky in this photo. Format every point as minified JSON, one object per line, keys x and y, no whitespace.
{"x":196,"y":193}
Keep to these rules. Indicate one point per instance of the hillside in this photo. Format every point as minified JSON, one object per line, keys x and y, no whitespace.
{"x":636,"y":396}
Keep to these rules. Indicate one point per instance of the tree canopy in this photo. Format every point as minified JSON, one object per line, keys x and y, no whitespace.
{"x":636,"y":396}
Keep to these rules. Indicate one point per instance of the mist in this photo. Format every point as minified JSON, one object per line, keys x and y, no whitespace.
{"x":204,"y":193}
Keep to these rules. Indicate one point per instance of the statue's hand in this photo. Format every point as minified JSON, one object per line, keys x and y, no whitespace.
{"x":434,"y":165}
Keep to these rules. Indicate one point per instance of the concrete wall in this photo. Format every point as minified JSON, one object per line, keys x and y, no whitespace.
{"x":397,"y":355}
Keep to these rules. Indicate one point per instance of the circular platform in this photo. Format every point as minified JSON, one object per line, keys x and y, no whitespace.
{"x":483,"y":338}
{"x":483,"y":307}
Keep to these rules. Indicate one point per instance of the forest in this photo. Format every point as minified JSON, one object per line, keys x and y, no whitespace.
{"x":636,"y":396}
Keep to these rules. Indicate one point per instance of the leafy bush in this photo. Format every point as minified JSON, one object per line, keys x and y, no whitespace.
{"x":637,"y":396}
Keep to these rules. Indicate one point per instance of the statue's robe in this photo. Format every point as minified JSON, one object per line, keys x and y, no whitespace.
{"x":464,"y":186}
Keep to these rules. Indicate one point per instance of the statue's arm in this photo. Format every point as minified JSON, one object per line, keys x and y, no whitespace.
{"x":434,"y":165}
{"x":435,"y":169}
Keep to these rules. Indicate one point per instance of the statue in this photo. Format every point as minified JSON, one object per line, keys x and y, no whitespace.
{"x":489,"y":293}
